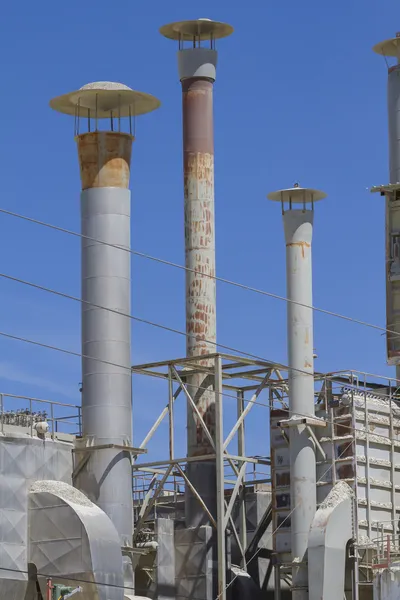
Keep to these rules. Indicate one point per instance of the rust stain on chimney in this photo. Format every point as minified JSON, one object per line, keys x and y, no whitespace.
{"x":104,"y":158}
{"x":302,"y":245}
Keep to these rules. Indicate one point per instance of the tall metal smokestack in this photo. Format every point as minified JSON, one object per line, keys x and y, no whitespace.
{"x":105,"y":470}
{"x":197,"y":72}
{"x":298,"y":226}
{"x":391,"y":48}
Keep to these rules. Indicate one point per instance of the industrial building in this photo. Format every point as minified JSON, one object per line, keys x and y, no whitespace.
{"x":88,"y":514}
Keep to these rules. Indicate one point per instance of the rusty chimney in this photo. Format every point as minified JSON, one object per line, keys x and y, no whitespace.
{"x":197,"y":60}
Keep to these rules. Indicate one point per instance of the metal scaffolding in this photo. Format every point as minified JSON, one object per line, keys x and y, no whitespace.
{"x":234,"y":376}
{"x":245,"y":383}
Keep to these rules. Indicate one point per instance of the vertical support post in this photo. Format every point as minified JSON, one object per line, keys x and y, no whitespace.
{"x":367,"y":469}
{"x":2,"y":412}
{"x":356,"y":575}
{"x":333,"y":455}
{"x":392,"y":460}
{"x":52,"y":420}
{"x":277,"y":581}
{"x":242,"y":497}
{"x":171,"y":414}
{"x":80,"y":420}
{"x":219,"y":454}
{"x":49,"y":589}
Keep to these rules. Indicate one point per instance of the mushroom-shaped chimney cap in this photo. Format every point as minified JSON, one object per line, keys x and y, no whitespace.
{"x":104,"y":97}
{"x":297,"y":195}
{"x":201,"y":29}
{"x":390,"y":47}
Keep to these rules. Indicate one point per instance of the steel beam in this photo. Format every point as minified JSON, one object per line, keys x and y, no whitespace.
{"x":249,"y":406}
{"x":241,"y":452}
{"x":219,"y":461}
{"x":234,"y":493}
{"x":149,"y":502}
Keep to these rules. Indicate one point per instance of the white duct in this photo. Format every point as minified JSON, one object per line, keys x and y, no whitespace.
{"x":74,"y":541}
{"x":330,"y":532}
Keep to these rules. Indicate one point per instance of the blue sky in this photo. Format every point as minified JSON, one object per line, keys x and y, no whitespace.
{"x":299,"y":97}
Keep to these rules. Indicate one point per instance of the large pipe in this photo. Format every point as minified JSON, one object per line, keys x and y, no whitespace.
{"x":106,"y":389}
{"x":104,"y":158}
{"x":298,"y":226}
{"x":198,"y":161}
{"x":298,"y":235}
{"x":197,"y":71}
{"x":391,"y":48}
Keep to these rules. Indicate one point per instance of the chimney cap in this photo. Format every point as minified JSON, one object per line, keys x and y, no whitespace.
{"x":200,"y":29}
{"x":103,"y":97}
{"x":297,"y":195}
{"x":390,"y":47}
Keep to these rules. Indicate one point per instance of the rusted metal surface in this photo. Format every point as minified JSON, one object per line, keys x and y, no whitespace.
{"x":392,"y":222}
{"x":198,"y":157}
{"x":199,"y":247}
{"x":392,"y":209}
{"x":104,"y":158}
{"x":302,"y":245}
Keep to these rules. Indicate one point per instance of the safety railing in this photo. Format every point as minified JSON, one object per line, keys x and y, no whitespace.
{"x":25,"y":412}
{"x":386,"y":544}
{"x":330,"y":387}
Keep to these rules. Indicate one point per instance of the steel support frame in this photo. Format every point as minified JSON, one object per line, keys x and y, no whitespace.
{"x":235,"y":376}
{"x":163,"y":469}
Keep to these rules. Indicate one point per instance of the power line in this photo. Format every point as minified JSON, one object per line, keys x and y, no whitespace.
{"x":168,"y":328}
{"x":140,"y":320}
{"x":134,"y":318}
{"x":77,"y":354}
{"x":215,"y":277}
{"x":146,"y":322}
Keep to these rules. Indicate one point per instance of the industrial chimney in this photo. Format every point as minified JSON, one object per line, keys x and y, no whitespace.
{"x":298,"y":216}
{"x":103,"y":468}
{"x":197,"y":60}
{"x":391,"y":48}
